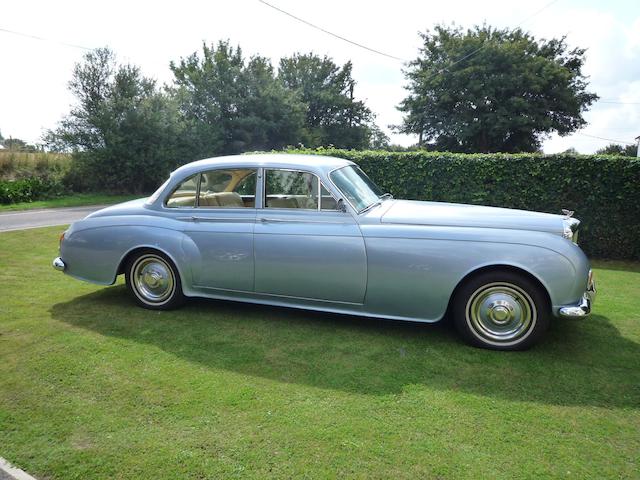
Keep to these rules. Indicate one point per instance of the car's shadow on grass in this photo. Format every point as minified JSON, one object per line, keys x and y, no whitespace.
{"x":580,"y":363}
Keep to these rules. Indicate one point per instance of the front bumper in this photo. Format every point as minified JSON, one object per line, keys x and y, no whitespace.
{"x":58,"y":264}
{"x":583,"y":308}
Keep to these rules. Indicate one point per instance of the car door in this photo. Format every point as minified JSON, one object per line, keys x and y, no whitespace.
{"x":219,"y":218}
{"x":304,"y":246}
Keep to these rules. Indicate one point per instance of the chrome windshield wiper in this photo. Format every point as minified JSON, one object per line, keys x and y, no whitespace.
{"x":369,"y":207}
{"x":381,"y":199}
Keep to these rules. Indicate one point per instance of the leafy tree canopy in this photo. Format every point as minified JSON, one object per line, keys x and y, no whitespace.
{"x":124,"y":132}
{"x":492,"y":90}
{"x":233,"y":105}
{"x":333,"y":115}
{"x":617,"y":149}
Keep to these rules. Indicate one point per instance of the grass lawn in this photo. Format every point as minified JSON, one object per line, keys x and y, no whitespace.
{"x":75,"y":200}
{"x":92,"y":387}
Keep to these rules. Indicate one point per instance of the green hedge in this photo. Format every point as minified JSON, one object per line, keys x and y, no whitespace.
{"x":603,"y":190}
{"x":29,"y":189}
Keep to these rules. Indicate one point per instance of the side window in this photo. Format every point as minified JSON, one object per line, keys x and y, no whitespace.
{"x":327,"y":202}
{"x":185,"y":194}
{"x":291,"y":189}
{"x":228,"y":188}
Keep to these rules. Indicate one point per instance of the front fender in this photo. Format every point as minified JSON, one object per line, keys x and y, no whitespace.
{"x":417,"y":269}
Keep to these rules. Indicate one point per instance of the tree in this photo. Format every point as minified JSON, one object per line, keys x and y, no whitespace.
{"x":233,"y":106}
{"x":333,"y":115}
{"x":491,"y":90}
{"x":18,"y":145}
{"x":124,"y":132}
{"x":571,"y":151}
{"x":617,"y":149}
{"x":378,"y":140}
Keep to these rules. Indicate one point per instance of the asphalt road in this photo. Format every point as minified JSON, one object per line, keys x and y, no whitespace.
{"x":44,"y":217}
{"x":8,"y":472}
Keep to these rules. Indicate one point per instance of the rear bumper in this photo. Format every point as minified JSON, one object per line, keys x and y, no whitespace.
{"x":58,"y":264}
{"x":583,"y":308}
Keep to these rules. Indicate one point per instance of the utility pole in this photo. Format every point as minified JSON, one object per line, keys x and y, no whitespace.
{"x":350,"y":114}
{"x":638,"y":145}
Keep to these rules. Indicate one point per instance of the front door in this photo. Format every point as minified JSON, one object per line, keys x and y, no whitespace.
{"x":304,"y":246}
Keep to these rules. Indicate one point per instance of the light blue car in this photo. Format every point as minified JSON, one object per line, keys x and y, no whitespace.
{"x":315,"y":232}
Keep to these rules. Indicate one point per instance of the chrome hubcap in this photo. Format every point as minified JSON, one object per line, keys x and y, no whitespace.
{"x":153,"y":279}
{"x":501,"y":313}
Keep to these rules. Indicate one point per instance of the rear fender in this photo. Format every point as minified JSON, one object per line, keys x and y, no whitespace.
{"x":97,"y":254}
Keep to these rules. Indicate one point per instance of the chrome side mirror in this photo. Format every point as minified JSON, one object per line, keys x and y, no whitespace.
{"x":341,"y":206}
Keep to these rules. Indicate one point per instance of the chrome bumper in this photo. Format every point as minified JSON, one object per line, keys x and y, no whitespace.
{"x":582,"y":309}
{"x":58,"y":264}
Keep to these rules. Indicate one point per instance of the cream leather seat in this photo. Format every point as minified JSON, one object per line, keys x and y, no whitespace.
{"x":208,"y":200}
{"x":186,"y":201}
{"x":221,"y":199}
{"x":229,"y":199}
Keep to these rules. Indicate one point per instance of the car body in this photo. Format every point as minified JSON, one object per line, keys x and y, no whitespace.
{"x":314,"y":232}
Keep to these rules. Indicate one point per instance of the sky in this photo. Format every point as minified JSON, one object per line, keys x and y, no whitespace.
{"x":35,"y":73}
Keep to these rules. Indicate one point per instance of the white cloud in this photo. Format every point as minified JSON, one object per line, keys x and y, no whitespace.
{"x":33,"y":93}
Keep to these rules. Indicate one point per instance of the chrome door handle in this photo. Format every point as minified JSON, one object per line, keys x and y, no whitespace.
{"x":274,"y":220}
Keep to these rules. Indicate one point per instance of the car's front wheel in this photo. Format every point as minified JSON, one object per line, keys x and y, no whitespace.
{"x":154,"y":281}
{"x":501,"y":310}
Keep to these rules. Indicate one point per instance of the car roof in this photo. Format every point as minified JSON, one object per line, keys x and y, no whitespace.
{"x":314,"y":163}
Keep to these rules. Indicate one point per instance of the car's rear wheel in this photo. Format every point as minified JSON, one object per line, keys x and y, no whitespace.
{"x":501,"y":310}
{"x":154,"y":281}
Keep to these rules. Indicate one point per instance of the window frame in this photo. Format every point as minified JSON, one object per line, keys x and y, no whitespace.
{"x":197,"y":205}
{"x":260,"y":193}
{"x":319,"y":183}
{"x":210,"y":207}
{"x":165,"y":201}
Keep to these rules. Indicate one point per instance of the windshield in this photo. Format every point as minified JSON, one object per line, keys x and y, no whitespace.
{"x":356,"y":187}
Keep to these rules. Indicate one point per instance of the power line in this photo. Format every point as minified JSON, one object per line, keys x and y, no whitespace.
{"x":333,"y":34}
{"x":607,"y":139}
{"x":486,"y":43}
{"x":43,"y":39}
{"x":536,"y":13}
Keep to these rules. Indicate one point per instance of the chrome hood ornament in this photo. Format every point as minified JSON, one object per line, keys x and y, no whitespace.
{"x":567,"y":213}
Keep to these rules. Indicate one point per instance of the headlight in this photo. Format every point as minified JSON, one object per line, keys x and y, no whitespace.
{"x":570,"y":229}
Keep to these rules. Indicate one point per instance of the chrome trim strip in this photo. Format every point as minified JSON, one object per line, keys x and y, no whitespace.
{"x":216,"y":219}
{"x":282,"y":220}
{"x":319,"y":300}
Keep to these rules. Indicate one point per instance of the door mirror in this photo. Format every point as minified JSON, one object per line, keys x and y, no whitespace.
{"x":341,"y":206}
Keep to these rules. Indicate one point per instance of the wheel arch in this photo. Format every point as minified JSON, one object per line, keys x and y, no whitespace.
{"x":502,"y":267}
{"x":132,"y":252}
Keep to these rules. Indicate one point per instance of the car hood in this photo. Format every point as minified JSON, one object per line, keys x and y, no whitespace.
{"x":460,"y":215}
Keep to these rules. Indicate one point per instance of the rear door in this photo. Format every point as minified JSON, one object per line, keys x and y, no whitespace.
{"x":219,"y":215}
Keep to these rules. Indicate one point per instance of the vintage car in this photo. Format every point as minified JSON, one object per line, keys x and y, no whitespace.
{"x":316,"y":233}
